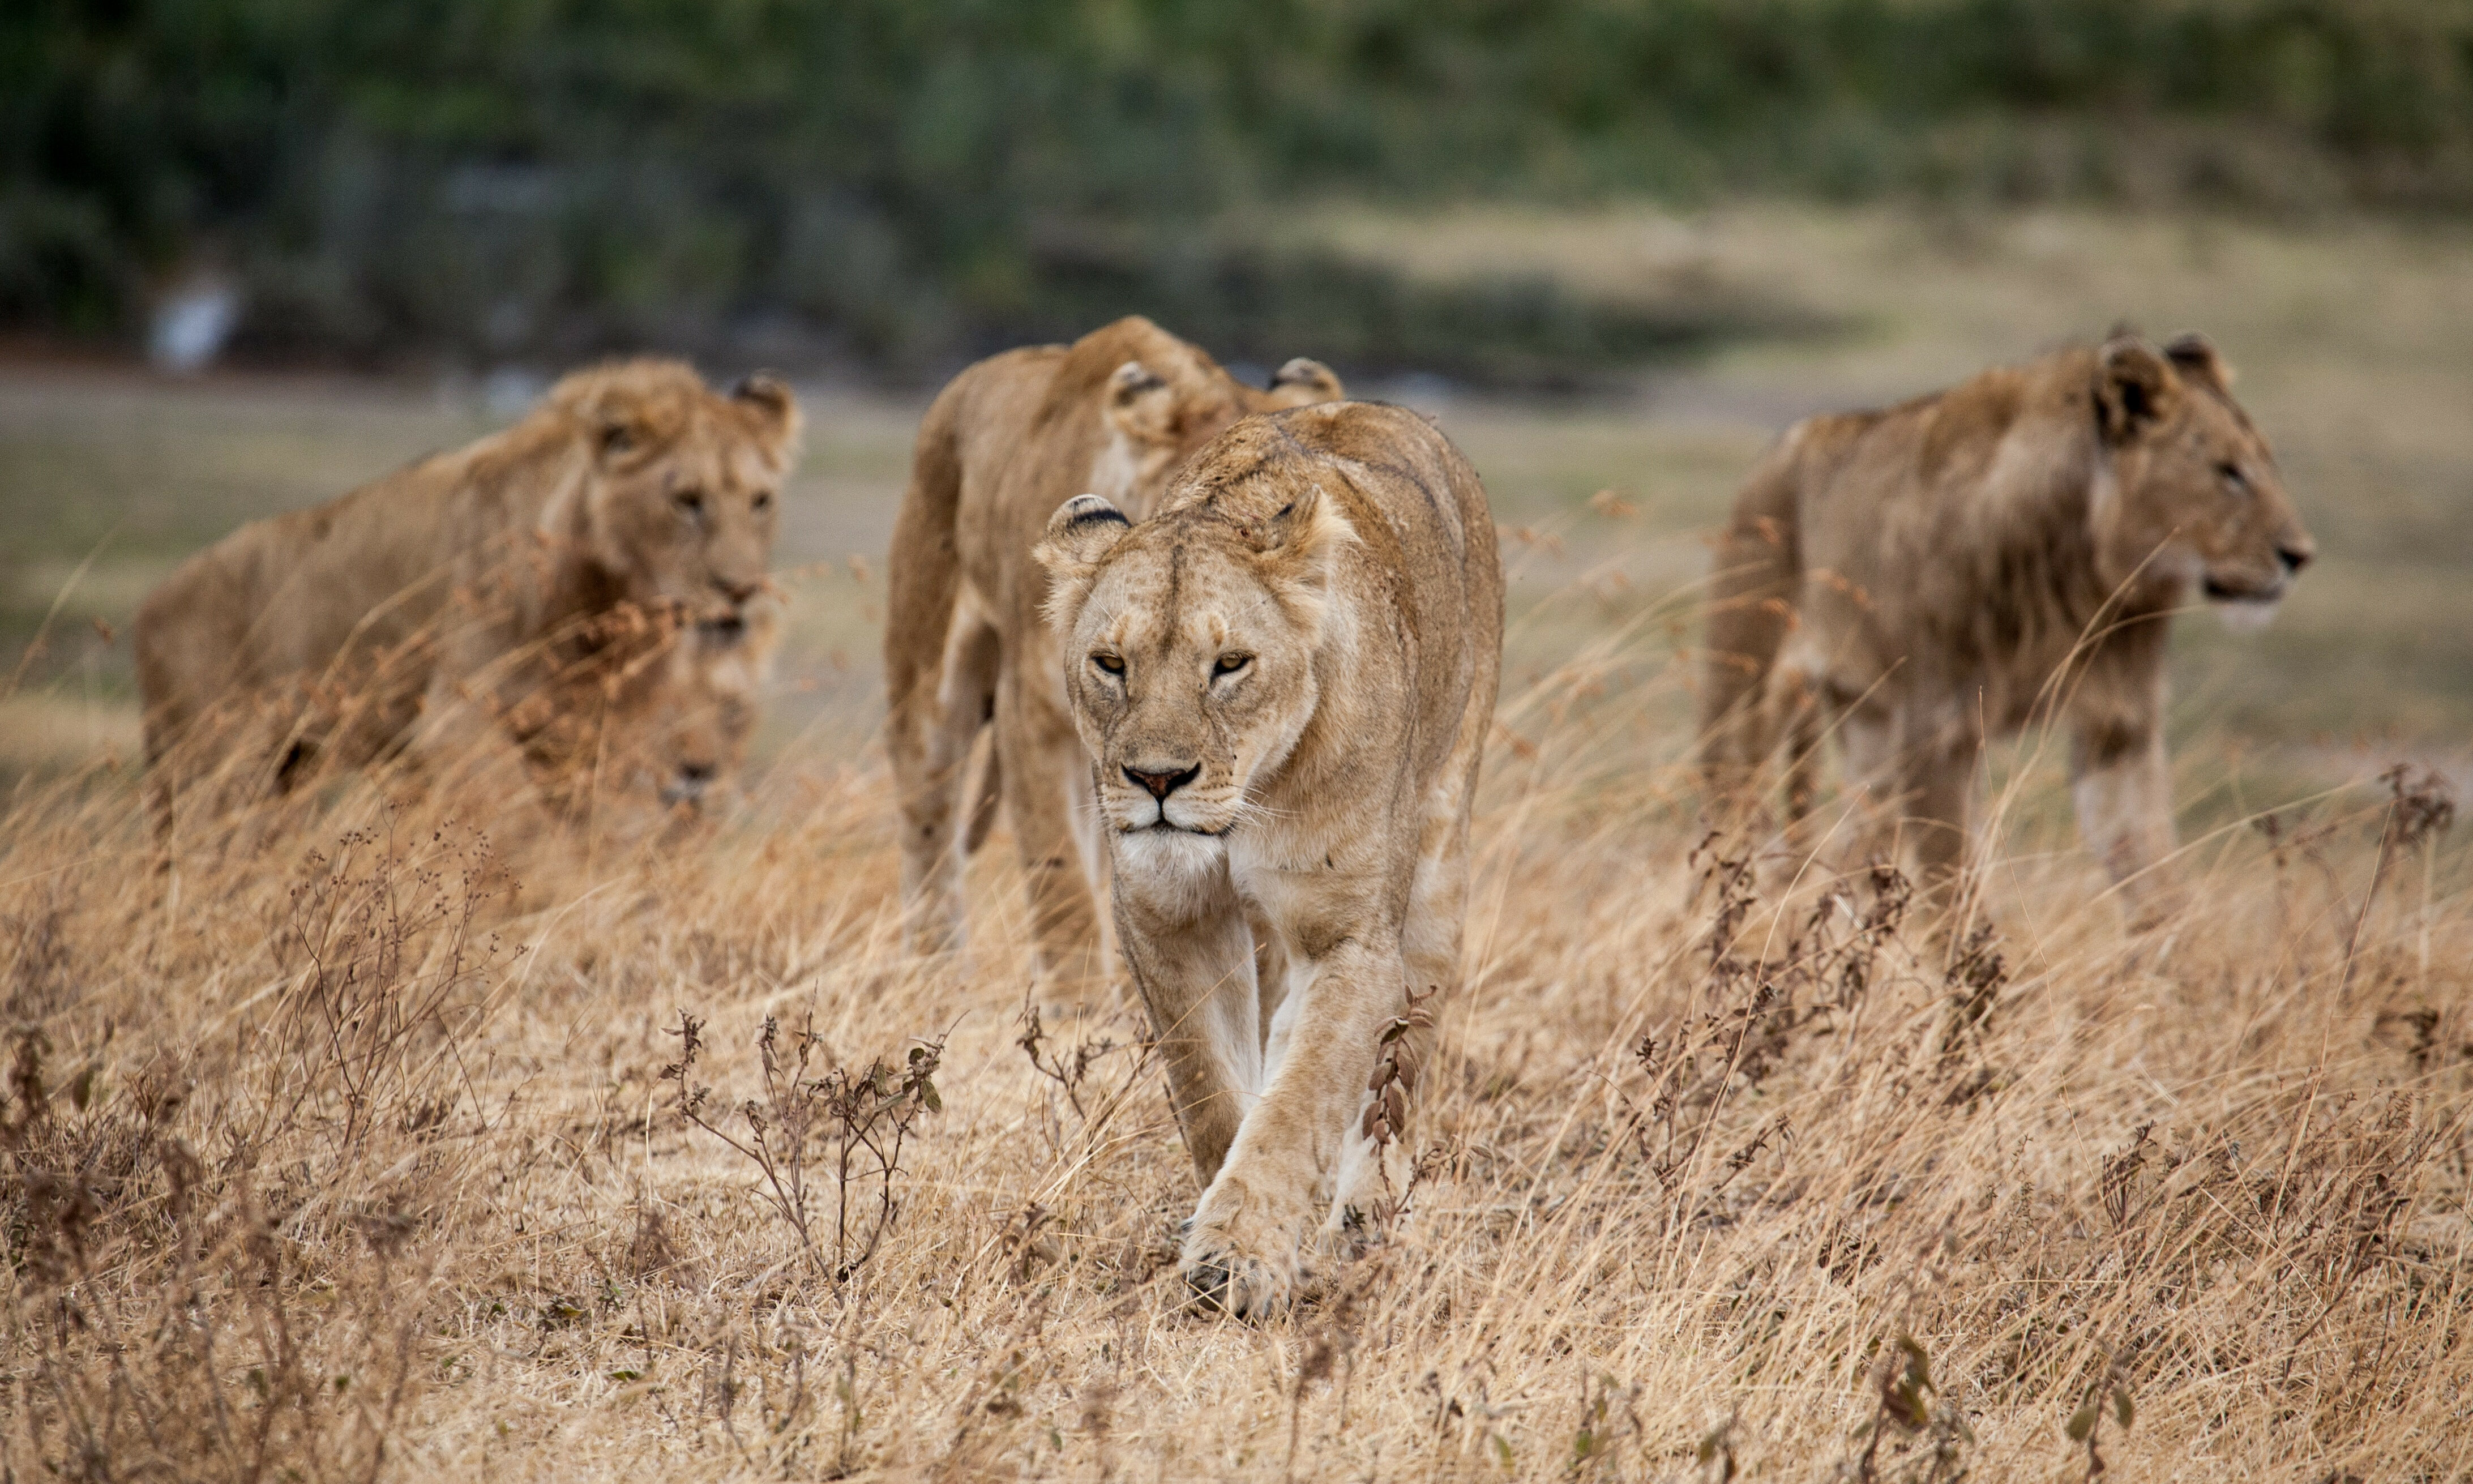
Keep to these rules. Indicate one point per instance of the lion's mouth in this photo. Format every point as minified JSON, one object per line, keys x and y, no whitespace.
{"x":2218,"y":590}
{"x":1167,"y":826}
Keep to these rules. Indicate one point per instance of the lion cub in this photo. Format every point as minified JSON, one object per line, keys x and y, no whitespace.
{"x":1284,"y":679}
{"x":2009,"y":550}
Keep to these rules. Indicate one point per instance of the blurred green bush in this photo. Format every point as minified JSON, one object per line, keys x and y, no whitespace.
{"x":904,"y":182}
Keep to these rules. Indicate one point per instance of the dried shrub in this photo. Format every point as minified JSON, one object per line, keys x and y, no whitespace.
{"x":858,"y":1117}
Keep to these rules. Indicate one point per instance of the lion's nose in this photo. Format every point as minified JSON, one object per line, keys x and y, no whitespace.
{"x":688,"y":787}
{"x":2296,"y":554}
{"x":738,"y":589}
{"x":1163,"y":785}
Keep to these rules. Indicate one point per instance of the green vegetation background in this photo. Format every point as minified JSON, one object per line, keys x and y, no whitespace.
{"x":899,"y":183}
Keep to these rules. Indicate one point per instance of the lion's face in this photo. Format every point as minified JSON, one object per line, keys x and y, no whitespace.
{"x":1190,"y":648}
{"x":2194,"y":497}
{"x":715,"y":674}
{"x":685,"y":485}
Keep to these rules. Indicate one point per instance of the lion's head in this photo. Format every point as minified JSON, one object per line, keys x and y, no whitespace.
{"x":710,"y":701}
{"x":1169,"y":398}
{"x":2193,"y":496}
{"x":1190,"y":643}
{"x":679,"y":501}
{"x":653,"y":704}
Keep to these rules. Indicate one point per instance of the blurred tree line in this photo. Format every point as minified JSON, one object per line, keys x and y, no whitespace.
{"x":904,"y":182}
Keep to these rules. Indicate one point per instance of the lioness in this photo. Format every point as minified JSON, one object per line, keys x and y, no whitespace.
{"x":1003,"y":444}
{"x":417,"y":607}
{"x":713,"y":713}
{"x":662,"y":712}
{"x":1284,"y":681}
{"x":1918,"y":579}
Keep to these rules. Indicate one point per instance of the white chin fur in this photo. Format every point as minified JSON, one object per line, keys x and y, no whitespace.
{"x":1170,"y":853}
{"x":2247,"y":615}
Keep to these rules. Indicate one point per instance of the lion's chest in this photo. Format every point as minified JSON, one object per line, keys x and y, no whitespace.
{"x":1311,"y":892}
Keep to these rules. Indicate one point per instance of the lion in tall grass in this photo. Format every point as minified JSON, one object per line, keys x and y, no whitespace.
{"x":1006,"y":443}
{"x":419,"y":610}
{"x":2011,"y":550}
{"x":1283,"y":681}
{"x":661,"y":710}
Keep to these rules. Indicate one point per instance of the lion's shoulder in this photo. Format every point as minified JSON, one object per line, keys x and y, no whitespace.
{"x":1954,"y":433}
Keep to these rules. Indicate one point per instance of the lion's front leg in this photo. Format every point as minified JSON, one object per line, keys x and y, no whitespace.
{"x":1247,"y":1246}
{"x":1193,"y":959}
{"x":1046,"y":792}
{"x":2122,"y":783}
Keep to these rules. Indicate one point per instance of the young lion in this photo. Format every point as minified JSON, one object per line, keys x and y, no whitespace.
{"x":662,"y":711}
{"x":421,"y":606}
{"x":1006,"y":441}
{"x":2011,"y":549}
{"x":1284,"y":679}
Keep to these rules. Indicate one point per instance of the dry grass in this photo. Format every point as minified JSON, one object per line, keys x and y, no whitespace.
{"x":344,"y":1149}
{"x":330,"y":1158}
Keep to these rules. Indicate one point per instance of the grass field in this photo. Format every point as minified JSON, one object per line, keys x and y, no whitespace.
{"x":336,"y":1151}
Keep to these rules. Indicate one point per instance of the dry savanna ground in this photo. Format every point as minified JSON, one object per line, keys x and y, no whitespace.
{"x":358,"y":1143}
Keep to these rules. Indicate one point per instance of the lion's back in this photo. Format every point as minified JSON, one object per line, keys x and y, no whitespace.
{"x":1437,"y":526}
{"x":326,"y":590}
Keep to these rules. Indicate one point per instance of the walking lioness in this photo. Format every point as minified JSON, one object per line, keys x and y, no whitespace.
{"x":1005,"y":442}
{"x":1284,"y":680}
{"x":2012,"y":549}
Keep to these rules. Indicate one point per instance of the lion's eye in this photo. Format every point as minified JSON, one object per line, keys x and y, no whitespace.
{"x":689,"y":500}
{"x":1230,"y":665}
{"x":763,"y":499}
{"x":1109,"y":663}
{"x":2233,"y":478}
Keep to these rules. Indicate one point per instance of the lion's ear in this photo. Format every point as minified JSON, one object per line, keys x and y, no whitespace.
{"x":2195,"y":355}
{"x":615,"y":436}
{"x":1141,"y":405}
{"x":1079,"y":536}
{"x":776,"y":410}
{"x":1304,"y":382}
{"x":2133,"y":389}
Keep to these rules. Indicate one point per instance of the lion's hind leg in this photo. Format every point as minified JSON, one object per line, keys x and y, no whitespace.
{"x":1791,"y":712}
{"x":1049,"y":801}
{"x":930,"y":749}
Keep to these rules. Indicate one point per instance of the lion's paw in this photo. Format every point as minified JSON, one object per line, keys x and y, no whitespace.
{"x":1243,"y":1264}
{"x":1246,"y":1287}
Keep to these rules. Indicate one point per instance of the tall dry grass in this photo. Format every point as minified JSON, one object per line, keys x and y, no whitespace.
{"x":345,"y":1149}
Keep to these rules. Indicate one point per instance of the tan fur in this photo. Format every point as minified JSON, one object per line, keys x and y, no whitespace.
{"x":1004,"y":443}
{"x":416,"y":609}
{"x":2009,"y":550}
{"x":662,"y":711}
{"x":1284,"y":679}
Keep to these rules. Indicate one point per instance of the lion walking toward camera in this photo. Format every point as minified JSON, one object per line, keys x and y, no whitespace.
{"x":1005,"y":442}
{"x":1284,"y":681}
{"x":1918,"y":580}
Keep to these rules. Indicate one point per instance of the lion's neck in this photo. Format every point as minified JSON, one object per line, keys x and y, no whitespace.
{"x":2039,"y":585}
{"x":563,"y":578}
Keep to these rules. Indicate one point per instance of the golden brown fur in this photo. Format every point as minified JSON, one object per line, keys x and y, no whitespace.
{"x":1284,"y":681}
{"x":660,"y":709}
{"x":418,"y":608}
{"x":2009,"y":550}
{"x":1006,"y":443}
